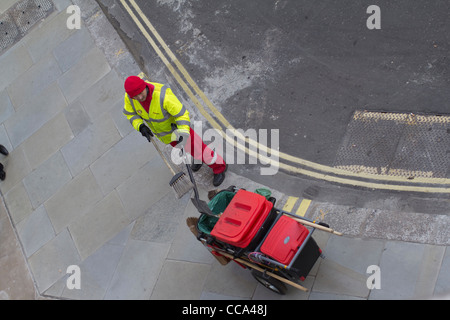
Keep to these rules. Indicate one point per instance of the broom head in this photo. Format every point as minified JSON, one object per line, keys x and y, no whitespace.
{"x":181,"y":184}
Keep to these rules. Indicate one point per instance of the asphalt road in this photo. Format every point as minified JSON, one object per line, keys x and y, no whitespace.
{"x":301,"y":67}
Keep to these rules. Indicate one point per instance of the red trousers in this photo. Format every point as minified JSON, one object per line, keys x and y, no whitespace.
{"x":198,"y":149}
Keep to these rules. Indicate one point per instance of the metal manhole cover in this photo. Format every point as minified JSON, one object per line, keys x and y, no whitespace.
{"x":26,"y":13}
{"x":8,"y":31}
{"x":397,"y":144}
{"x":17,"y":20}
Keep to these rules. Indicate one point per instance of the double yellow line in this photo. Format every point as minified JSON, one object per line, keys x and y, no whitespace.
{"x":302,"y":208}
{"x":302,"y":167}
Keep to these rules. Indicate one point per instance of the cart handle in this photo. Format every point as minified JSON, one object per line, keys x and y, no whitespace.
{"x":314,"y":225}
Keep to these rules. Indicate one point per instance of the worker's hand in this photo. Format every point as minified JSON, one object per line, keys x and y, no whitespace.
{"x":181,"y":136}
{"x":146,"y":132}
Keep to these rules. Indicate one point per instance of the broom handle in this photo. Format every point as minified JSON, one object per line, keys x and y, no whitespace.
{"x":253,"y":266}
{"x":315,"y":225}
{"x":161,"y":154}
{"x":191,"y":176}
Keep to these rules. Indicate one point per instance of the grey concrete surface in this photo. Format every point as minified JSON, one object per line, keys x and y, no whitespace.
{"x":83,"y":188}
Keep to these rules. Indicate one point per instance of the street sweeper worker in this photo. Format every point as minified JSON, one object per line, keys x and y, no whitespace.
{"x":154,"y":110}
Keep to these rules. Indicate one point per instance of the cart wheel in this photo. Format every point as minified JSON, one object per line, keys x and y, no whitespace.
{"x":269,"y":282}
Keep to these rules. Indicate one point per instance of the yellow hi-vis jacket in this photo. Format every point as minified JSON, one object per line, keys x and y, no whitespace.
{"x":165,"y":109}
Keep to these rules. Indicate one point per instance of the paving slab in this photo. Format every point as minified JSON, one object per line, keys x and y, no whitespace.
{"x":96,"y":273}
{"x":230,"y":280}
{"x":77,"y":117}
{"x":185,"y":246}
{"x":29,"y":119}
{"x":90,"y":69}
{"x":73,"y":200}
{"x":144,"y":188}
{"x":122,"y":123}
{"x":98,"y":225}
{"x":18,"y":203}
{"x":103,"y":95}
{"x":35,"y":231}
{"x":90,"y":144}
{"x":6,"y":107}
{"x":137,"y":271}
{"x":343,"y":271}
{"x":180,"y":280}
{"x":121,"y":161}
{"x":47,"y":179}
{"x":353,"y":253}
{"x":161,"y":221}
{"x":429,"y":272}
{"x":50,"y":263}
{"x":68,"y":52}
{"x":48,"y":140}
{"x":48,"y":35}
{"x":334,"y":278}
{"x":4,"y":138}
{"x":404,"y":273}
{"x":13,"y":63}
{"x":35,"y":80}
{"x":442,"y":289}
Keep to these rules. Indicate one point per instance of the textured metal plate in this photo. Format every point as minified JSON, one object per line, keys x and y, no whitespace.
{"x":16,"y":21}
{"x":397,"y":144}
{"x":27,"y":12}
{"x":9,"y":33}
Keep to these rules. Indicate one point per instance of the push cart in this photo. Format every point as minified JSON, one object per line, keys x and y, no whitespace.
{"x":245,"y":227}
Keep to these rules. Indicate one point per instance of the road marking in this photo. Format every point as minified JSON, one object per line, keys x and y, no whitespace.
{"x":304,"y":205}
{"x":290,"y":203}
{"x":302,"y":209}
{"x":437,"y":184}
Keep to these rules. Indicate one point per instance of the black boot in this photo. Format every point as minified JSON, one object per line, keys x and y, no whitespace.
{"x":196,"y":166}
{"x":218,"y":178}
{"x":3,"y":150}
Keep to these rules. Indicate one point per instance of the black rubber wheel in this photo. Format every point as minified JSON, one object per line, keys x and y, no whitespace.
{"x":270,"y":283}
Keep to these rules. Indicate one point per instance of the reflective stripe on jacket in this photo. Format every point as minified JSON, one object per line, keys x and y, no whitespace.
{"x":165,"y":109}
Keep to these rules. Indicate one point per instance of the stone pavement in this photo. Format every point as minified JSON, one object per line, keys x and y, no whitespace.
{"x":83,"y":188}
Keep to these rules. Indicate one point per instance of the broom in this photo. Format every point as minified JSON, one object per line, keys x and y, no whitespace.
{"x":180,"y":183}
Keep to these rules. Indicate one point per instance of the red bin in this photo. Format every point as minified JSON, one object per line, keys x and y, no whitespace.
{"x":284,"y":239}
{"x":242,"y":219}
